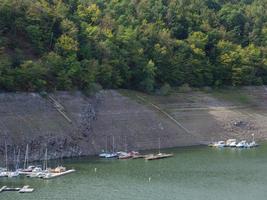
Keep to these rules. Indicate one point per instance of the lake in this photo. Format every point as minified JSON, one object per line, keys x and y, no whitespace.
{"x":193,"y":173}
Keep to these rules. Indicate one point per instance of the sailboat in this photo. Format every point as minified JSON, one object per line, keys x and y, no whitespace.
{"x":16,"y":165}
{"x":104,"y":153}
{"x":49,"y":173}
{"x":113,"y":154}
{"x":10,"y":174}
{"x":124,"y":155}
{"x":4,"y":171}
{"x":26,"y":168}
{"x":253,"y":143}
{"x":38,"y":172}
{"x":159,"y":155}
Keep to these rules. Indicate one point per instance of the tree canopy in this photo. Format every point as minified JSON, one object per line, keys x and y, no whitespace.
{"x":136,"y":44}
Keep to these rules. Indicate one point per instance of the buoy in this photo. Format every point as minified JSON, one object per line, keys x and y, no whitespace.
{"x":95,"y":169}
{"x":149,"y":179}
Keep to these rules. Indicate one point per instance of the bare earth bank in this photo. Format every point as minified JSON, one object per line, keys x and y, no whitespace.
{"x":71,"y":124}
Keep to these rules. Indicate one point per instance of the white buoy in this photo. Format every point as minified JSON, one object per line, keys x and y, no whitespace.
{"x":149,"y":179}
{"x":95,"y":169}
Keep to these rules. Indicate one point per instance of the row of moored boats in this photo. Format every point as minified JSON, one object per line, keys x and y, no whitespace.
{"x":233,"y":143}
{"x":133,"y":154}
{"x":31,"y":170}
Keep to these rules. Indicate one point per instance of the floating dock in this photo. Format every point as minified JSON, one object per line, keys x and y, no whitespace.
{"x":3,"y":188}
{"x":158,"y":156}
{"x":141,"y":156}
{"x":54,"y":175}
{"x":24,"y":189}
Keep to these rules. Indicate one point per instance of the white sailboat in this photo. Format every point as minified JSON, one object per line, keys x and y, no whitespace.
{"x":4,"y":171}
{"x":26,"y":168}
{"x":253,"y":143}
{"x":159,"y":155}
{"x":104,"y":154}
{"x":113,"y":154}
{"x":242,"y":144}
{"x":125,"y":154}
{"x":8,"y":173}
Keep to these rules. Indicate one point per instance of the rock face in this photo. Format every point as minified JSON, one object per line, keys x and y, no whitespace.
{"x":71,"y":124}
{"x":28,"y":118}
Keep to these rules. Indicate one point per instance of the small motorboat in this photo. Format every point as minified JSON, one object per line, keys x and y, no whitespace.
{"x":242,"y":144}
{"x":102,"y":155}
{"x":253,"y":144}
{"x":28,"y":169}
{"x":3,"y":172}
{"x":111,"y":155}
{"x":125,"y":155}
{"x":231,"y":143}
{"x":219,"y":144}
{"x":36,"y":172}
{"x":12,"y":174}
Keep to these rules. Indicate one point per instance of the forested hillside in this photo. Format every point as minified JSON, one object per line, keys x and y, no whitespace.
{"x":137,"y":44}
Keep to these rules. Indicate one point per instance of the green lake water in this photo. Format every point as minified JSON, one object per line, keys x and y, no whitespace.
{"x":195,"y":173}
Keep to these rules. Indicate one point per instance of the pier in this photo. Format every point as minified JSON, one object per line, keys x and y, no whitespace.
{"x":158,"y":156}
{"x":24,"y":189}
{"x":54,"y":175}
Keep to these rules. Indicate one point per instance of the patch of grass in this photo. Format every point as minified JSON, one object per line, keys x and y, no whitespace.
{"x":232,"y":95}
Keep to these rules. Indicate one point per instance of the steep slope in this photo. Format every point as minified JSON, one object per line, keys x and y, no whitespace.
{"x":72,"y":124}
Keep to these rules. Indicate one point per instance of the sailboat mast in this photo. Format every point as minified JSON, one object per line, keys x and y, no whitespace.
{"x":26,"y":157}
{"x":46,"y":159}
{"x":159,"y":145}
{"x":14,"y":157}
{"x":17,"y":163}
{"x":113,"y":144}
{"x":125,"y":143}
{"x":106,"y":144}
{"x":6,"y":155}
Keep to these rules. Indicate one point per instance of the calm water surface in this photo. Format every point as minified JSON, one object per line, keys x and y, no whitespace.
{"x":193,"y":173}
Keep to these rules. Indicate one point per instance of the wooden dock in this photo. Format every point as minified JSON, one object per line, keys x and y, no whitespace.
{"x":3,"y":188}
{"x":141,"y":156}
{"x":54,"y":175}
{"x":24,"y":189}
{"x":158,"y":156}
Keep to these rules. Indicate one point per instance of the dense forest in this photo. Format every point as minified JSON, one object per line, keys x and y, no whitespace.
{"x":48,"y":45}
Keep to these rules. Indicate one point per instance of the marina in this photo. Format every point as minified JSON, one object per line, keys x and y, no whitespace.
{"x":32,"y":171}
{"x":166,"y":179}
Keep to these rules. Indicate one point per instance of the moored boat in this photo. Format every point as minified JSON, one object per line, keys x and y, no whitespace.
{"x":230,"y":143}
{"x":233,"y":144}
{"x":111,"y":155}
{"x":125,"y":156}
{"x":219,"y":144}
{"x":242,"y":144}
{"x":253,"y":144}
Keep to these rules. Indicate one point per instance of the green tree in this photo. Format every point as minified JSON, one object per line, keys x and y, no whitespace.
{"x":148,"y":77}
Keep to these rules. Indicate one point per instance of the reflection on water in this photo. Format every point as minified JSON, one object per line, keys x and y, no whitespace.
{"x":193,"y":173}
